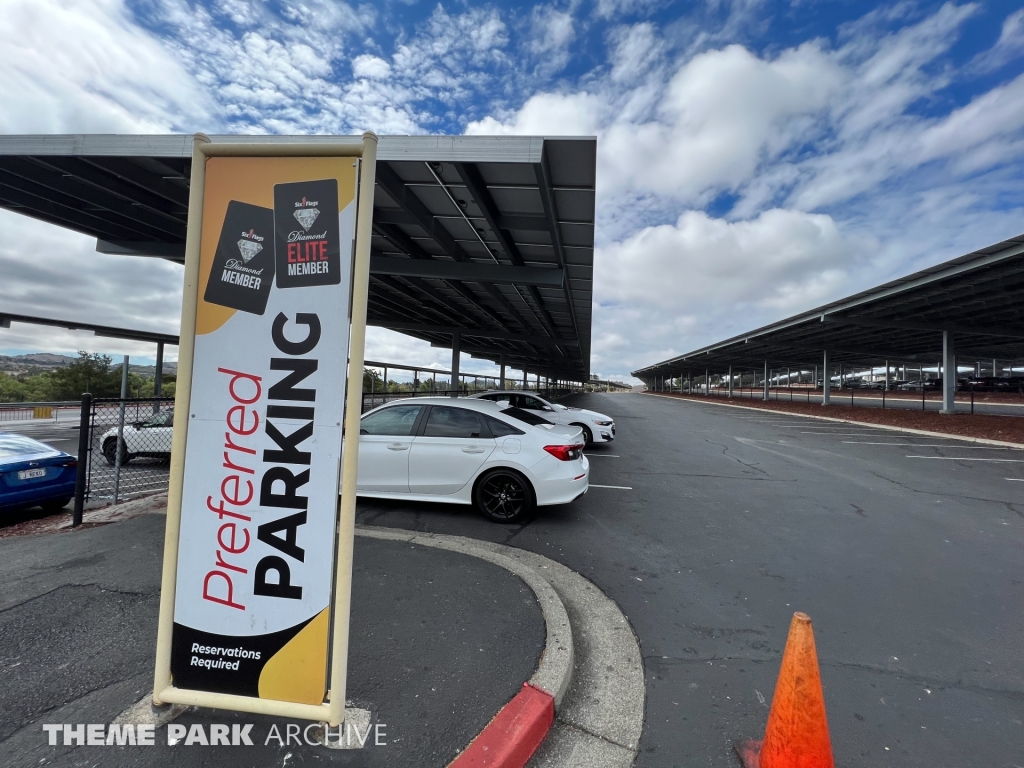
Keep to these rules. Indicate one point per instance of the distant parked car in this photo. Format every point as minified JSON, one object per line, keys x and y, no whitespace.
{"x":150,"y":438}
{"x":993,"y":383}
{"x":34,"y":473}
{"x":597,"y":428}
{"x":929,"y":385}
{"x":1009,"y":384}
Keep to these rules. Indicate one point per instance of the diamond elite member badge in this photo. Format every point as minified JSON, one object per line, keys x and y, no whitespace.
{"x":243,"y":266}
{"x":306,"y":233}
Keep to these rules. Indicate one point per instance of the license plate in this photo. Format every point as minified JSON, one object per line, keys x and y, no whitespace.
{"x":28,"y":474}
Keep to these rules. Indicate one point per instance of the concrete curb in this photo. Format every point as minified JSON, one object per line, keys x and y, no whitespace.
{"x":554,"y":673}
{"x":890,"y":427}
{"x":592,"y":668}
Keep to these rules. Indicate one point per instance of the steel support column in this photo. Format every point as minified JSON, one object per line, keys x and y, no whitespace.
{"x":158,"y":376}
{"x":502,"y":384}
{"x":730,"y":381}
{"x":765,"y":380}
{"x":455,"y":364}
{"x":948,"y":373}
{"x":826,"y":380}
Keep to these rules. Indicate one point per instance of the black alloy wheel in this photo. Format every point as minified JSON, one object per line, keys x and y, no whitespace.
{"x":504,"y":496}
{"x":110,"y":455}
{"x":588,"y":436}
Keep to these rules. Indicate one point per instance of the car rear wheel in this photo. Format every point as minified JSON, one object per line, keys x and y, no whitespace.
{"x":109,"y":452}
{"x":588,"y":436}
{"x":504,"y":496}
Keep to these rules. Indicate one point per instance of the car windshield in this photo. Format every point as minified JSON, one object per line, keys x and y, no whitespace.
{"x":165,"y":419}
{"x":527,"y":417}
{"x":17,"y":445}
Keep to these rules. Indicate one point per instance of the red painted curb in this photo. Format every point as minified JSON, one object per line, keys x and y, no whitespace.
{"x":511,"y":738}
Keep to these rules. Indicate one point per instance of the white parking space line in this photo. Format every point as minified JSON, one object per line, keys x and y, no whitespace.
{"x":939,"y":445}
{"x":613,"y":487}
{"x":846,"y":434}
{"x":965,"y":458}
{"x":1016,"y":479}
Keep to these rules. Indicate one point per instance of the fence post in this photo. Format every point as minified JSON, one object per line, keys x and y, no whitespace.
{"x":82,"y":469}
{"x":120,"y":432}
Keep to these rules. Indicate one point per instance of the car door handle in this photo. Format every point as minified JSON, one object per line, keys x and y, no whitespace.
{"x":398,"y":447}
{"x":472,"y":449}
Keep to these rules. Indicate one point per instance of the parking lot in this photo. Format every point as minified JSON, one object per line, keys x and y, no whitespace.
{"x":710,"y":525}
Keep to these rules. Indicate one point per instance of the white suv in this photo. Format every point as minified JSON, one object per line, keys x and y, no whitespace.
{"x":150,"y":438}
{"x":597,"y":428}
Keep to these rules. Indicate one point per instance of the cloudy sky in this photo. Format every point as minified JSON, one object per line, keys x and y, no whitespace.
{"x":755,"y":159}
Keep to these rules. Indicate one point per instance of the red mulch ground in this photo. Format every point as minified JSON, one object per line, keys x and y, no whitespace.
{"x":1007,"y":428}
{"x":33,"y":522}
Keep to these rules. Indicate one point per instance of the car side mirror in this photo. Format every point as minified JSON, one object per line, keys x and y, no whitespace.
{"x":137,"y":424}
{"x":547,"y":408}
{"x":363,"y":432}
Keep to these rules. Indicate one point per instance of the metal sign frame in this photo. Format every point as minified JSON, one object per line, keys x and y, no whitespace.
{"x":164,"y":691}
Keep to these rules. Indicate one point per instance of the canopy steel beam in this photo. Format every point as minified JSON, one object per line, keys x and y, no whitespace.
{"x":913,"y":326}
{"x":107,"y":331}
{"x":478,"y":190}
{"x":478,"y":333}
{"x":466,"y":271}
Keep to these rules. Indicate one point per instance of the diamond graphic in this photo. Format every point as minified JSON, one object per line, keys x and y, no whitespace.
{"x":306,"y":217}
{"x":248,"y":249}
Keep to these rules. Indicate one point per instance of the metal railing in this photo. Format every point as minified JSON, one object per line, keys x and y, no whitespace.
{"x":927,"y":396}
{"x":49,"y":411}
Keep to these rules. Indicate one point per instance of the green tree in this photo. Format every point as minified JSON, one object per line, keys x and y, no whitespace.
{"x":89,"y":373}
{"x":12,"y":389}
{"x":372,"y":380}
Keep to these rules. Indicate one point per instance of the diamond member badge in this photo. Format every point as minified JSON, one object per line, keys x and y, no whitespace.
{"x":248,"y":249}
{"x":306,"y":217}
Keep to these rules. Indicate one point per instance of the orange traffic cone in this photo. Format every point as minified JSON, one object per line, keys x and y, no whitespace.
{"x":797,"y":733}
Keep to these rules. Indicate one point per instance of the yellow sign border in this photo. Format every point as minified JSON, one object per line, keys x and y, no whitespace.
{"x":333,"y":710}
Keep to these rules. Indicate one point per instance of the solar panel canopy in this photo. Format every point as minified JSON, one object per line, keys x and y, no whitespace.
{"x":978,"y":298}
{"x":488,"y":236}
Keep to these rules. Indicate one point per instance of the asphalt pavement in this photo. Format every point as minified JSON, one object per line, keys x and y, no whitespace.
{"x":440,"y":641}
{"x":711,"y":525}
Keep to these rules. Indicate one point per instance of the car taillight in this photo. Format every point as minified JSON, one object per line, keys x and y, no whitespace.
{"x":565,"y":452}
{"x":72,"y":463}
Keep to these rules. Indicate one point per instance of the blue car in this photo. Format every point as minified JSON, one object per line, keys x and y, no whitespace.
{"x":33,"y":473}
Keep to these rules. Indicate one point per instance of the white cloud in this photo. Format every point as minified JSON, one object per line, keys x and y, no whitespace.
{"x":1008,"y":47}
{"x":52,"y":272}
{"x":86,"y":67}
{"x":635,"y":50}
{"x":762,"y":262}
{"x":370,"y":66}
{"x":550,"y":114}
{"x":551,"y":33}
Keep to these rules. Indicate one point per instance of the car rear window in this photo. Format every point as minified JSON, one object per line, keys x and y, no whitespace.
{"x":17,"y":445}
{"x":500,"y":429}
{"x":446,"y":421}
{"x":527,"y":417}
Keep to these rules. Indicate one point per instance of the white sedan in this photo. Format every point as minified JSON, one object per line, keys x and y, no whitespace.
{"x":503,"y":460}
{"x":597,"y":428}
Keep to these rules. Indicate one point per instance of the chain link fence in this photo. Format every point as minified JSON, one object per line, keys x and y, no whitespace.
{"x":129,"y":447}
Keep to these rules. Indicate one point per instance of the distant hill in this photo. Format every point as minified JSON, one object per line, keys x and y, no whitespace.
{"x":40,"y":362}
